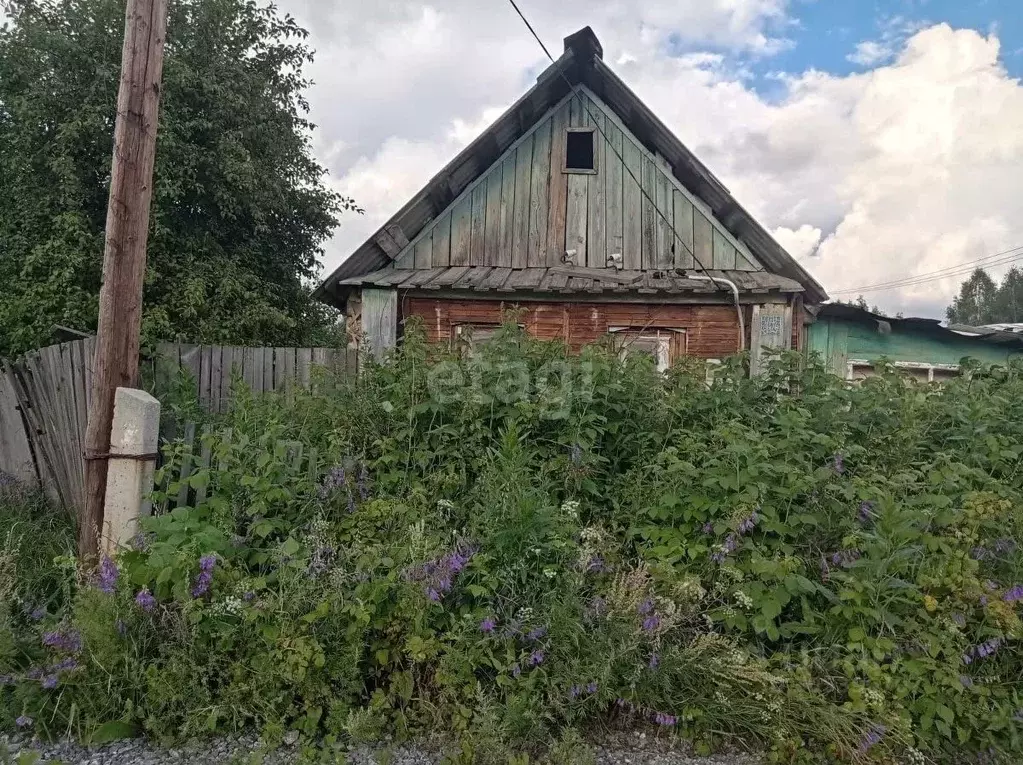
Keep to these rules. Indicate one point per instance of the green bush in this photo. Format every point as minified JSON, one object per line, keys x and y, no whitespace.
{"x":517,"y":546}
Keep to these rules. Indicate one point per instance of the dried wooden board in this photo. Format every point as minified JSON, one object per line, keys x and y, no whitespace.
{"x":684,"y":230}
{"x":478,"y":244}
{"x":461,"y":231}
{"x":424,"y":252}
{"x":304,"y":363}
{"x":632,"y":206}
{"x":506,"y":214}
{"x":442,"y":241}
{"x":520,"y":216}
{"x":539,"y":195}
{"x":558,"y":187}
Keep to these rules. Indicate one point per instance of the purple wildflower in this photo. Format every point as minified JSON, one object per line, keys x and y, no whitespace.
{"x":140,"y":542}
{"x":24,"y":721}
{"x":536,"y":658}
{"x":363,"y":482}
{"x":651,"y":623}
{"x":983,"y":601}
{"x":748,"y":524}
{"x":655,"y":661}
{"x":321,"y":561}
{"x":487,"y":625}
{"x":66,"y":665}
{"x":145,"y":600}
{"x":1014,"y":595}
{"x":35,"y":673}
{"x":646,"y":607}
{"x":966,"y":681}
{"x":333,"y":481}
{"x":1018,"y":717}
{"x":69,"y":641}
{"x":50,"y":682}
{"x":1003,"y":546}
{"x":596,"y":565}
{"x":708,"y":528}
{"x":6,"y":680}
{"x":845,"y":558}
{"x":573,"y":692}
{"x":537,"y":633}
{"x":873,"y":737}
{"x":202,"y":583}
{"x":38,"y":614}
{"x":664,"y":719}
{"x":516,"y":670}
{"x":433,"y":595}
{"x":982,"y":651}
{"x":108,"y":574}
{"x":249,"y":596}
{"x":839,"y":463}
{"x":591,"y":688}
{"x":865,"y":511}
{"x":576,"y":455}
{"x":351,"y":501}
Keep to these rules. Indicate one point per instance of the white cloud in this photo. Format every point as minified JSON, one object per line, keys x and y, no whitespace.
{"x":871,"y":53}
{"x":912,"y":165}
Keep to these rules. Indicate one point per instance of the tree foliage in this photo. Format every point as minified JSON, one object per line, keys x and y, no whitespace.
{"x":981,"y":301}
{"x":240,"y":207}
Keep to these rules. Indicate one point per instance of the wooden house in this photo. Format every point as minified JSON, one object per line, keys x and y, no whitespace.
{"x":851,"y":340}
{"x":581,"y":208}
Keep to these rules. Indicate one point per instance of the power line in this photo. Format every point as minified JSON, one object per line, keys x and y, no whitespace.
{"x":603,"y":135}
{"x":990,"y":261}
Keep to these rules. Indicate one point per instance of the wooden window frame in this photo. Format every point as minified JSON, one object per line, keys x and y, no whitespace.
{"x":675,"y":342}
{"x":853,"y":364}
{"x":577,"y":170}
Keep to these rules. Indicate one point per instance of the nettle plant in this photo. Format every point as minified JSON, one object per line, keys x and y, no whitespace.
{"x":516,"y":544}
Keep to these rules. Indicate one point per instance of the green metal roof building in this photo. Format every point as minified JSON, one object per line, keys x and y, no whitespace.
{"x":851,"y":339}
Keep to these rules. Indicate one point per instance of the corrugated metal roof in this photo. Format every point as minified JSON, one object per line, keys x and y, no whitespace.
{"x":581,"y":64}
{"x":567,"y":279}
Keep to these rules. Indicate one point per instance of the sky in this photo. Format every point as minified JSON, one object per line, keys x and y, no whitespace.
{"x":877,"y":140}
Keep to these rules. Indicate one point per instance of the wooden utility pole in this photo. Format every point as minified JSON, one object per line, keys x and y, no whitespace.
{"x":116,"y":363}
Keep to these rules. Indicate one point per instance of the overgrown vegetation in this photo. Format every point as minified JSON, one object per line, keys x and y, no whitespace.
{"x":240,"y":206}
{"x":825,"y":573}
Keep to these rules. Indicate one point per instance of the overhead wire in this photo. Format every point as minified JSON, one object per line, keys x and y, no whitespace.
{"x":676,"y":239}
{"x":989,"y":261}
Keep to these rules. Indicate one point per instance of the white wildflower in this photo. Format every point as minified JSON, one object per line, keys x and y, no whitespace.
{"x":744,"y":600}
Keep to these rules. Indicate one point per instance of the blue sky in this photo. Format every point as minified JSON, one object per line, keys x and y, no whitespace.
{"x":875,"y":139}
{"x":825,"y":32}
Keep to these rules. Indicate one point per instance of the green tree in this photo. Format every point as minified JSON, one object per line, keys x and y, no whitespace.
{"x":1008,"y":306}
{"x":240,"y":207}
{"x":976,"y":302}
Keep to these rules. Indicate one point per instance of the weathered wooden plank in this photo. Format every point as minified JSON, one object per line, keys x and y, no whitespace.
{"x":15,"y":450}
{"x":520,"y":214}
{"x":216,"y":376}
{"x":205,"y":373}
{"x":613,"y":177}
{"x":230,"y":360}
{"x":406,"y":259}
{"x":461,"y":231}
{"x":649,"y":219}
{"x":424,"y":252}
{"x":596,"y":197}
{"x":186,"y":464}
{"x":249,"y":368}
{"x":575,"y":219}
{"x":442,"y":241}
{"x":380,"y":320}
{"x":745,"y":259}
{"x":90,"y":357}
{"x":664,"y":258}
{"x":632,"y":205}
{"x":81,"y":397}
{"x":205,"y":458}
{"x":539,"y":195}
{"x":703,"y":240}
{"x":268,"y":370}
{"x":506,"y":236}
{"x":478,"y":244}
{"x":450,"y":276}
{"x":495,"y":280}
{"x":492,"y":255}
{"x":724,"y":251}
{"x":304,"y":363}
{"x":258,"y":365}
{"x":684,"y":230}
{"x":558,"y":203}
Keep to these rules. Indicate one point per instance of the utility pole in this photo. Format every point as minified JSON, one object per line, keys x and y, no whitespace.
{"x":116,"y":362}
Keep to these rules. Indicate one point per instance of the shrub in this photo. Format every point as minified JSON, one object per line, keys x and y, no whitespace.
{"x":829,"y":573}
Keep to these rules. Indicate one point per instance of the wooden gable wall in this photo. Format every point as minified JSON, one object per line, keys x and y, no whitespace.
{"x":525,"y":211}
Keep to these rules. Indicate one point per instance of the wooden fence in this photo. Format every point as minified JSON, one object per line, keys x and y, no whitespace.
{"x":44,"y":398}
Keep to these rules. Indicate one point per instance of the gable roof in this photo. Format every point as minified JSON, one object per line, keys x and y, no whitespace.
{"x":581,"y":65}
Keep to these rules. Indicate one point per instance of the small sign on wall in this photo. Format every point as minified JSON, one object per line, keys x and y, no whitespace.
{"x":771,"y":331}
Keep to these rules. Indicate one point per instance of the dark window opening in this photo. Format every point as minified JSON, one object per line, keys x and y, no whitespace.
{"x":579,"y":153}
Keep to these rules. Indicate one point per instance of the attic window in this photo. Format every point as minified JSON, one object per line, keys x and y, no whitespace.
{"x":580,"y":156}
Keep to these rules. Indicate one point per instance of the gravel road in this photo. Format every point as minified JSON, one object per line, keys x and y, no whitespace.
{"x":622,"y":750}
